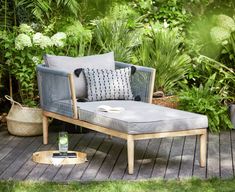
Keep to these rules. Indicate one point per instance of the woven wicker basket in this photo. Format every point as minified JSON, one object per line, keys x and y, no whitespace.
{"x":166,"y":101}
{"x":24,"y":121}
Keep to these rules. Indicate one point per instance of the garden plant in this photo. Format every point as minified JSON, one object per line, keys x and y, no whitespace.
{"x":191,"y":44}
{"x":188,"y":43}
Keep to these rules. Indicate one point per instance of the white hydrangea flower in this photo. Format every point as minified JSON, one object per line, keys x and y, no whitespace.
{"x":42,"y":41}
{"x":219,"y":34}
{"x":24,"y":28}
{"x":46,"y":42}
{"x":165,"y":24}
{"x":22,"y":41}
{"x":225,"y":22}
{"x":58,"y":39}
{"x":37,"y":38}
{"x":36,"y":60}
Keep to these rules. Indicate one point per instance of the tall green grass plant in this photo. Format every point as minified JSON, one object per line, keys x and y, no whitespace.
{"x":161,"y":50}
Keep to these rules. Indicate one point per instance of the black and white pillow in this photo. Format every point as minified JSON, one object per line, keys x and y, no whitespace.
{"x":105,"y":84}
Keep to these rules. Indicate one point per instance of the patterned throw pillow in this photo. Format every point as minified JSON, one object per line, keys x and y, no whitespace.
{"x":105,"y":84}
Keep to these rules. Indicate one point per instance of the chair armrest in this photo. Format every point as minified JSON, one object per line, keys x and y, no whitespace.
{"x":55,"y":91}
{"x":142,"y":82}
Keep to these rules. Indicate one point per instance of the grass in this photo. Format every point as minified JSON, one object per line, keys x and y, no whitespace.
{"x":192,"y":185}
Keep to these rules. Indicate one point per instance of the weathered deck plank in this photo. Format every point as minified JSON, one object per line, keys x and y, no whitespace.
{"x":7,"y":147}
{"x":186,"y":168}
{"x":173,"y":166}
{"x":14,"y":153}
{"x":197,"y":170}
{"x":82,"y":146}
{"x":226,"y":163}
{"x":21,"y":159}
{"x":79,"y":170}
{"x":110,"y":160}
{"x":97,"y":161}
{"x":161,"y":162}
{"x":213,"y":162}
{"x":140,"y":150}
{"x":107,"y":158}
{"x":149,"y":159}
{"x":5,"y":137}
{"x":27,"y":168}
{"x":233,"y":150}
{"x":121,"y":165}
{"x":39,"y":169}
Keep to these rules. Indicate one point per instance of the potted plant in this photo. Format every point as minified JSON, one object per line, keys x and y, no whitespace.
{"x":25,"y":48}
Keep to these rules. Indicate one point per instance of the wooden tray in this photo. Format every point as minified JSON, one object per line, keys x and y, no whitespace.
{"x":45,"y":157}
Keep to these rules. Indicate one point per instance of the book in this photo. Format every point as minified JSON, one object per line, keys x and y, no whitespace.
{"x":109,"y":109}
{"x":68,"y":155}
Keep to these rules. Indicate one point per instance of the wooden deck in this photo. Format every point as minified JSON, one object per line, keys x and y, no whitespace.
{"x":157,"y":158}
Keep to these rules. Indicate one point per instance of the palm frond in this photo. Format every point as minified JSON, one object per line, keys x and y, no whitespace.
{"x":71,"y":5}
{"x":116,"y":36}
{"x":6,"y":14}
{"x":92,"y":9}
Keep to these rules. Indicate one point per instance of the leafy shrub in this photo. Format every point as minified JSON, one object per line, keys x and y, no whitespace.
{"x":228,"y":51}
{"x":24,"y":48}
{"x":115,"y":34}
{"x":212,"y":40}
{"x":203,"y":67}
{"x":225,"y":21}
{"x":44,"y":11}
{"x":204,"y":100}
{"x":172,"y":11}
{"x":212,"y":36}
{"x":78,"y":37}
{"x":161,"y":50}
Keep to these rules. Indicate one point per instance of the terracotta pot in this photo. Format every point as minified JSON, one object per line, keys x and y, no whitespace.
{"x":166,"y":101}
{"x":232,"y":114}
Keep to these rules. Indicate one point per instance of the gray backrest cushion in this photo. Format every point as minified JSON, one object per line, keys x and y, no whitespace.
{"x":69,"y":64}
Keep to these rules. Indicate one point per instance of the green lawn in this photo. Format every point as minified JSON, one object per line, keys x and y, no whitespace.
{"x":191,"y":185}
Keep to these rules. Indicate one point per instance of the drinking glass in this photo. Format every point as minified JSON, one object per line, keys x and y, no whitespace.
{"x":63,"y":143}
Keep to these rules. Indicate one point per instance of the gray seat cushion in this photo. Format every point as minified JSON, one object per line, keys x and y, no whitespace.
{"x":140,"y":117}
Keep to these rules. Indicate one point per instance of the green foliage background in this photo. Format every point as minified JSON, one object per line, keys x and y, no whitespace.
{"x":182,"y":40}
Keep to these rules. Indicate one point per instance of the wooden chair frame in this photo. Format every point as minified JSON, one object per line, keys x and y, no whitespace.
{"x":128,"y":137}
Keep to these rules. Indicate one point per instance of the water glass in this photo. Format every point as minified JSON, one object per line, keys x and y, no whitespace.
{"x":63,"y":143}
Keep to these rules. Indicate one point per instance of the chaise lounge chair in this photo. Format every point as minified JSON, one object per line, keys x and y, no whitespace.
{"x":140,"y":119}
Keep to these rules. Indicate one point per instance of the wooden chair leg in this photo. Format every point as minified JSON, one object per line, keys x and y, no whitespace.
{"x":45,"y":129}
{"x":203,"y":148}
{"x":130,"y":154}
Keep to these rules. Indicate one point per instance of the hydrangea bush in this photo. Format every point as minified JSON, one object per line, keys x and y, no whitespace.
{"x":25,"y":49}
{"x":223,"y":35}
{"x":225,"y":25}
{"x":225,"y":21}
{"x":219,"y":34}
{"x":22,"y":41}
